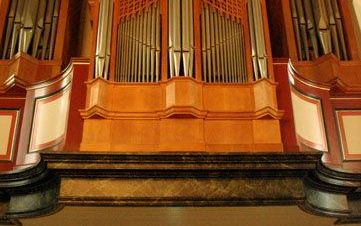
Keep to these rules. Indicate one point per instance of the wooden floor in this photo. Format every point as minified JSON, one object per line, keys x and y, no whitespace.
{"x":187,"y":216}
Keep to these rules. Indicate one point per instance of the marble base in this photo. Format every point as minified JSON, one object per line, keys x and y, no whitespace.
{"x":181,"y":179}
{"x":332,"y":193}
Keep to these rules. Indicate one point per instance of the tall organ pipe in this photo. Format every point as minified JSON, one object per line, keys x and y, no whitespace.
{"x":259,"y":54}
{"x":102,"y":55}
{"x":223,"y":55}
{"x":138,"y":58}
{"x":181,"y":40}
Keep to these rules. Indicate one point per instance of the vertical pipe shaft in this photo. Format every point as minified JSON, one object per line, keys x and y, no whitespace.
{"x":333,"y":29}
{"x":39,"y":27}
{"x":137,"y":48}
{"x":238,"y":62}
{"x":339,"y":28}
{"x":322,"y":22}
{"x":221,"y":47}
{"x":185,"y":35}
{"x":124,"y":57}
{"x":232,"y":49}
{"x":152,"y":43}
{"x":141,"y":77}
{"x":204,"y":47}
{"x":129,"y":52}
{"x":303,"y":28}
{"x":191,"y":39}
{"x":157,"y":46}
{"x":144,"y":47}
{"x":147,"y":44}
{"x":9,"y":27}
{"x":16,"y":27}
{"x":208,"y":44}
{"x":243,"y":51}
{"x":171,"y":33}
{"x":296,"y":28}
{"x":118,"y":57}
{"x":311,"y":27}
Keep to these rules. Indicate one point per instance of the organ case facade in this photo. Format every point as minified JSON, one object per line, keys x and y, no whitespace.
{"x":183,"y":75}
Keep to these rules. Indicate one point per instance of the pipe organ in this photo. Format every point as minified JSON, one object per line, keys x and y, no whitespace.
{"x":318,"y":29}
{"x":102,"y":56}
{"x":31,"y":28}
{"x":259,"y":54}
{"x":223,"y":49}
{"x":190,"y":85}
{"x":139,"y":35}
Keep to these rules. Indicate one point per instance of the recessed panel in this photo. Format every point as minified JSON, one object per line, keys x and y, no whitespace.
{"x":349,"y":123}
{"x":8,"y":122}
{"x":50,"y":121}
{"x":308,"y":121}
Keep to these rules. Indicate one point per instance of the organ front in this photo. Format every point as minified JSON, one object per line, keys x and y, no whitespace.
{"x":184,"y":69}
{"x":180,"y":102}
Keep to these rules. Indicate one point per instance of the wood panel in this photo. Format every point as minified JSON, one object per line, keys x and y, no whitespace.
{"x":181,"y":115}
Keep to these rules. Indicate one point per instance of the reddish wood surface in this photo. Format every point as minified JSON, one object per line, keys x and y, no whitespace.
{"x":284,"y":103}
{"x":77,"y":101}
{"x":322,"y":86}
{"x":14,"y":98}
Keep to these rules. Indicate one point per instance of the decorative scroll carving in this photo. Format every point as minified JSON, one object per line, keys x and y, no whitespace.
{"x":102,"y":56}
{"x":138,"y":53}
{"x":223,"y":51}
{"x":31,"y":28}
{"x":181,"y":40}
{"x":259,"y":54}
{"x":318,"y":29}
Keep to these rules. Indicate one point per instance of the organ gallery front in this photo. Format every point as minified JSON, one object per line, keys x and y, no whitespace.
{"x":163,"y":94}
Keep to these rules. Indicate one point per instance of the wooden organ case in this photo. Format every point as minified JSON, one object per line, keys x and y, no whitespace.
{"x":320,"y":34}
{"x":180,"y":98}
{"x":181,"y":75}
{"x":32,"y":48}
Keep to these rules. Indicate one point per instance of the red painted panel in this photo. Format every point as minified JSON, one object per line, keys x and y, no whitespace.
{"x":284,"y":103}
{"x":13,"y":101}
{"x":77,"y":101}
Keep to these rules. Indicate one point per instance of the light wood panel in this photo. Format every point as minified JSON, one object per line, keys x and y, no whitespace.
{"x":181,"y":115}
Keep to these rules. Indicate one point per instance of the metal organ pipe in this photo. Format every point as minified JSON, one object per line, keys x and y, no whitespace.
{"x":31,"y":28}
{"x":223,"y":55}
{"x":319,"y":27}
{"x":102,"y":55}
{"x":259,"y":54}
{"x":181,"y":40}
{"x":138,"y":58}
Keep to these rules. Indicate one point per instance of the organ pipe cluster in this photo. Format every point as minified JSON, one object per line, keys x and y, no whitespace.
{"x":223,"y":51}
{"x":318,"y":29}
{"x":259,"y":54}
{"x":31,"y":28}
{"x":102,"y":55}
{"x":138,"y":53}
{"x":181,"y":40}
